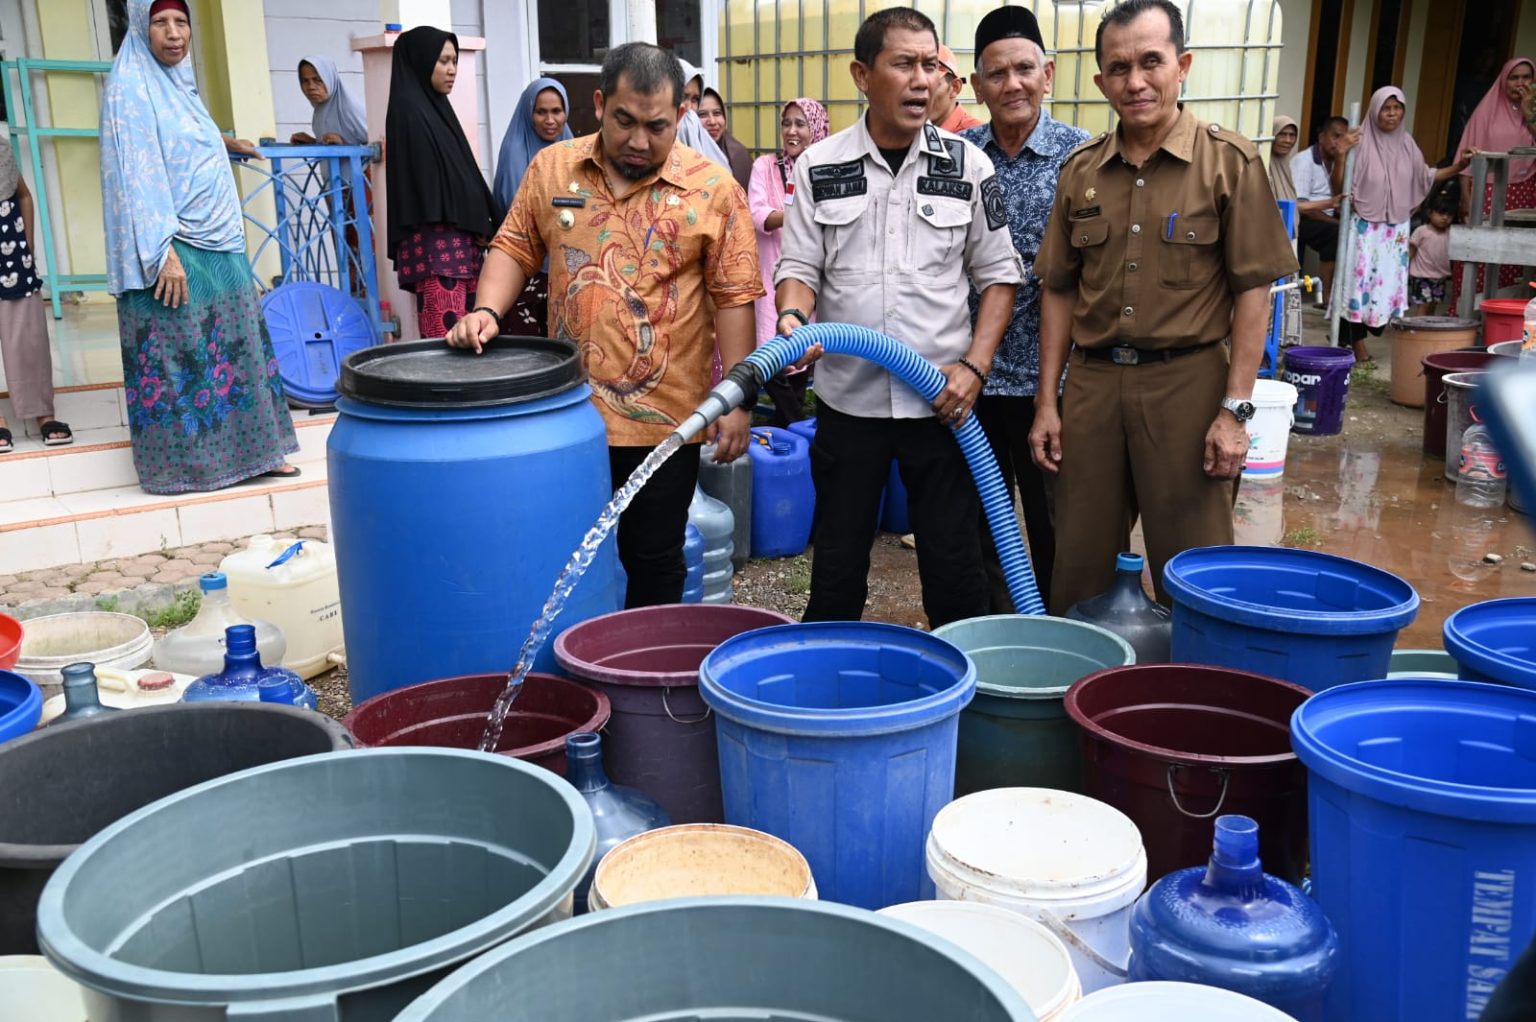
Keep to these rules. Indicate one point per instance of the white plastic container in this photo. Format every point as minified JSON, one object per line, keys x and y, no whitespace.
{"x":54,"y":642}
{"x":129,"y":690}
{"x":1269,"y":431}
{"x":1031,"y":958}
{"x":1171,"y":1002}
{"x":197,"y":647}
{"x":294,"y":589}
{"x":1068,"y":861}
{"x":31,"y":990}
{"x":693,"y":860}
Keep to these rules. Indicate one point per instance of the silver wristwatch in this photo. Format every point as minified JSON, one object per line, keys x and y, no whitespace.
{"x":1241,"y":410}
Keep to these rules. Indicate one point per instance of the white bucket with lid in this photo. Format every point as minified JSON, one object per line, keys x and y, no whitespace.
{"x":1274,"y":412}
{"x":693,"y":860}
{"x":31,"y":990}
{"x":1030,"y":957}
{"x":1068,"y":861}
{"x":1171,"y":1002}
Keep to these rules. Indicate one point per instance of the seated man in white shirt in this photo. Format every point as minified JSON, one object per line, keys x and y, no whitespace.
{"x":1318,"y":174}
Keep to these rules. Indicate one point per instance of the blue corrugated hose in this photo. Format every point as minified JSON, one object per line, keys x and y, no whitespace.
{"x":912,"y":369}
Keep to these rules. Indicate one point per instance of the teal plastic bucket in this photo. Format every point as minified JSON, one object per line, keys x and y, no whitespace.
{"x":1422,"y":663}
{"x":1016,"y":732}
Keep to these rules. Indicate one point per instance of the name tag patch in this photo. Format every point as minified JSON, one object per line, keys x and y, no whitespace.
{"x":838,"y":181}
{"x":1086,"y":213}
{"x":946,"y":187}
{"x":565,"y":200}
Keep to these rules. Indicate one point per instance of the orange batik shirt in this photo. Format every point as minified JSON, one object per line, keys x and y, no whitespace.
{"x":628,"y":277}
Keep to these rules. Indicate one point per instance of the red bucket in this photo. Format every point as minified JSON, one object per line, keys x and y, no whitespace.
{"x":1436,"y":367}
{"x":1503,"y":320}
{"x":10,"y":641}
{"x":451,"y":713}
{"x":1173,"y":746}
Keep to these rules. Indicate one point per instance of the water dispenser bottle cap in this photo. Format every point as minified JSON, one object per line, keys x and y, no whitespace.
{"x":213,"y":580}
{"x":1129,"y":562}
{"x":240,"y":640}
{"x":1237,"y":842}
{"x":392,"y":26}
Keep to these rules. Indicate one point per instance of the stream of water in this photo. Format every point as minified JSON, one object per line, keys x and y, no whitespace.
{"x":571,"y":574}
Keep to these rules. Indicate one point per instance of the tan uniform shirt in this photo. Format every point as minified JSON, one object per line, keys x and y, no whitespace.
{"x":1156,"y":253}
{"x":892,"y":253}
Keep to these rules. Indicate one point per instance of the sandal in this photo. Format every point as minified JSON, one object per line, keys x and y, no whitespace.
{"x":277,"y":473}
{"x":57,"y":434}
{"x":6,"y":446}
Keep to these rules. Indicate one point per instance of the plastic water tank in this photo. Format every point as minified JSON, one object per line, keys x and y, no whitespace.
{"x":731,"y":485}
{"x":1125,"y":610}
{"x":460,"y":485}
{"x":783,"y":496}
{"x":693,"y":557}
{"x":293,"y":586}
{"x":197,"y":648}
{"x":715,"y":523}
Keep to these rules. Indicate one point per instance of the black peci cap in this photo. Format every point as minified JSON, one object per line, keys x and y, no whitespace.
{"x":1007,"y":23}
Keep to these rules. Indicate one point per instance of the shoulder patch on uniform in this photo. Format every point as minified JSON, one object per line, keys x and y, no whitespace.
{"x":952,"y":164}
{"x":1237,"y":140}
{"x":992,"y":203}
{"x":1088,"y":144}
{"x":946,"y":187}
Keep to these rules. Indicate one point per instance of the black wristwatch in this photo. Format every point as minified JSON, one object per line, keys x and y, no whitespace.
{"x":802,"y":317}
{"x":1241,"y":410}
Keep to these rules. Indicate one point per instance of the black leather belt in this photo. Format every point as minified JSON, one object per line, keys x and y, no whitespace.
{"x":1125,"y":355}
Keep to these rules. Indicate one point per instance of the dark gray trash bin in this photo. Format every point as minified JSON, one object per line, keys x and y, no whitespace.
{"x":321,"y":889}
{"x":61,"y":785}
{"x":725,"y":959}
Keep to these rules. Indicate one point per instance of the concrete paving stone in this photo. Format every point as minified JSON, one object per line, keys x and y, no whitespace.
{"x":51,"y":593}
{"x":59,"y":578}
{"x":6,"y":581}
{"x":137,"y":570}
{"x":169,"y":578}
{"x":207,"y":558}
{"x":89,"y":588}
{"x":219,"y":547}
{"x":314,"y":532}
{"x":178,"y":564}
{"x":26,"y":587}
{"x":284,"y":537}
{"x":105,"y":576}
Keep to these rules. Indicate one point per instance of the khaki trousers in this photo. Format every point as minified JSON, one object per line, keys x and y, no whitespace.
{"x":1133,"y":442}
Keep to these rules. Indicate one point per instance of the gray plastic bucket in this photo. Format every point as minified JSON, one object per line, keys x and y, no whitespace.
{"x":728,"y":959}
{"x":322,"y":889}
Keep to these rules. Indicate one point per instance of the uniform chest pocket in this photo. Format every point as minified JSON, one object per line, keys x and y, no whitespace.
{"x":936,"y":237}
{"x":839,"y":220}
{"x":1088,"y":237}
{"x":1192,"y":255}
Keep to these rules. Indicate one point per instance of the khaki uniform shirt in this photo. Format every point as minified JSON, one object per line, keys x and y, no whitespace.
{"x":1156,"y":253}
{"x":892,"y":252}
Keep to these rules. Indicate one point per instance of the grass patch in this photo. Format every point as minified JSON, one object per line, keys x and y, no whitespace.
{"x":182,"y":609}
{"x":800,"y":576}
{"x":1303,"y":537}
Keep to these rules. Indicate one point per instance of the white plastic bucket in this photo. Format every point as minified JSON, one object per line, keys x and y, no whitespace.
{"x":1274,"y":404}
{"x":1031,"y":958}
{"x":31,"y":990}
{"x":694,"y":860}
{"x":1171,"y":1002}
{"x":298,"y":592}
{"x":107,"y":640}
{"x":1068,"y":861}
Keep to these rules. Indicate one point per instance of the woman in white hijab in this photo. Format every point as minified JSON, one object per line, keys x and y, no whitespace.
{"x":690,"y":130}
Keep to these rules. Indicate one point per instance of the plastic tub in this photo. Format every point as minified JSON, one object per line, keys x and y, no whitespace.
{"x":1269,"y":431}
{"x":1171,"y":1002}
{"x":1031,"y":958}
{"x":1305,"y":617}
{"x":106,"y":640}
{"x":1016,"y":732}
{"x":324,"y":888}
{"x":700,"y":860}
{"x":1423,"y":807}
{"x":661,"y":737}
{"x":31,"y":990}
{"x":839,"y":737}
{"x":1495,"y":641}
{"x":21,"y":705}
{"x":64,"y":783}
{"x":1503,"y":320}
{"x":1422,"y":663}
{"x":727,"y":959}
{"x":1435,"y":369}
{"x":1321,"y":378}
{"x":1414,"y":337}
{"x":452,"y":712}
{"x":1081,"y":884}
{"x":10,"y":641}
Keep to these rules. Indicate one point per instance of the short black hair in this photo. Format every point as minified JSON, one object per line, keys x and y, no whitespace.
{"x":871,"y":38}
{"x":1443,"y":200}
{"x":1335,"y":119}
{"x":648,"y":67}
{"x":1127,"y":11}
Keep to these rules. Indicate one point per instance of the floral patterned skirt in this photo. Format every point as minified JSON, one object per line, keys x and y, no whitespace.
{"x":205,"y":401}
{"x":1377,"y":285}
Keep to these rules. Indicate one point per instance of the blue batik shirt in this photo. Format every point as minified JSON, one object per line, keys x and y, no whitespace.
{"x":1029,"y":188}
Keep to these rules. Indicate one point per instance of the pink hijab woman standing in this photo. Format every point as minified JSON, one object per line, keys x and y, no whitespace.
{"x":1504,"y":119}
{"x":1391,"y":180}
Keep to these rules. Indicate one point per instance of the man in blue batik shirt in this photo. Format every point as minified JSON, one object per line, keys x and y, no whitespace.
{"x":1027,"y":147}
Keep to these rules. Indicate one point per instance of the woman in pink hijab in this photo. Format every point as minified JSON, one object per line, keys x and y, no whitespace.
{"x":1391,"y":180}
{"x":1504,"y":119}
{"x":802,"y":123}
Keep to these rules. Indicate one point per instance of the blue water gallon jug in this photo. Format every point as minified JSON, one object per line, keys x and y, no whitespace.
{"x":715,"y":523}
{"x":618,"y":812}
{"x":1229,"y":924}
{"x":693,"y":557}
{"x":245,"y":678}
{"x":783,"y":497}
{"x":1126,"y":610}
{"x":731,"y":484}
{"x":460,"y":486}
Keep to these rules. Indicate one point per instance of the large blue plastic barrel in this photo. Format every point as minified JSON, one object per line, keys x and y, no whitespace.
{"x":839,"y":737}
{"x":893,"y":506}
{"x":1495,"y":641}
{"x":1309,"y":618}
{"x":460,"y":486}
{"x":1422,"y":798}
{"x":783,"y":496}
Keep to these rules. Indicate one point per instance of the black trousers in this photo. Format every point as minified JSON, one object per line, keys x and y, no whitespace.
{"x":651,"y":530}
{"x":1320,"y":236}
{"x":788,"y":396}
{"x":1007,"y":421}
{"x":850,"y":460}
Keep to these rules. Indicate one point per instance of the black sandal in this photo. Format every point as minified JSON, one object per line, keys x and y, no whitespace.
{"x":57,"y":434}
{"x":6,"y":446}
{"x":293,"y":473}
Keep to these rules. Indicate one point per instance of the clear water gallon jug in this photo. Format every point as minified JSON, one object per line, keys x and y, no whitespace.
{"x":693,"y":558}
{"x":717,"y":525}
{"x":1125,"y":610}
{"x":731,"y":485}
{"x":618,"y":812}
{"x":243,"y":675}
{"x":294,"y":586}
{"x":197,"y":648}
{"x":81,"y":697}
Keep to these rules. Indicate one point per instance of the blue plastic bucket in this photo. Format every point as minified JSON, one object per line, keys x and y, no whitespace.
{"x":1422,"y":799}
{"x":21,"y":705}
{"x":839,"y":737}
{"x":1309,"y":618}
{"x":1495,"y":641}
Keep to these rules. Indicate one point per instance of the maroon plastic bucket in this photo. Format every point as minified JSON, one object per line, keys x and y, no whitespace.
{"x":1436,"y":367}
{"x":1173,"y":746}
{"x":661,"y":738}
{"x":451,"y":713}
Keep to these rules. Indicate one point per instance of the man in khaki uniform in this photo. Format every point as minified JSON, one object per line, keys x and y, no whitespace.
{"x":1163,"y":242}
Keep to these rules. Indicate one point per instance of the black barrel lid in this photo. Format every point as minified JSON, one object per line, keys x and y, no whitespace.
{"x":429,"y":374}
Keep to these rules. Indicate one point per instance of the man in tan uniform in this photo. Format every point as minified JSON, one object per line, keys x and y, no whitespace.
{"x":1163,"y":242}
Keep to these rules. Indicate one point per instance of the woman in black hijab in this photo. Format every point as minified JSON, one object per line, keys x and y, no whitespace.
{"x":441,"y":213}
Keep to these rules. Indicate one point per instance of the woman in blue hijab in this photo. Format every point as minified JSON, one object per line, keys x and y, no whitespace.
{"x":539,"y":121}
{"x":338,"y":118}
{"x":205,"y":402}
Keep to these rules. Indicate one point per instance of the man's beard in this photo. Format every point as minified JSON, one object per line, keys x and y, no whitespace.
{"x":632,"y":171}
